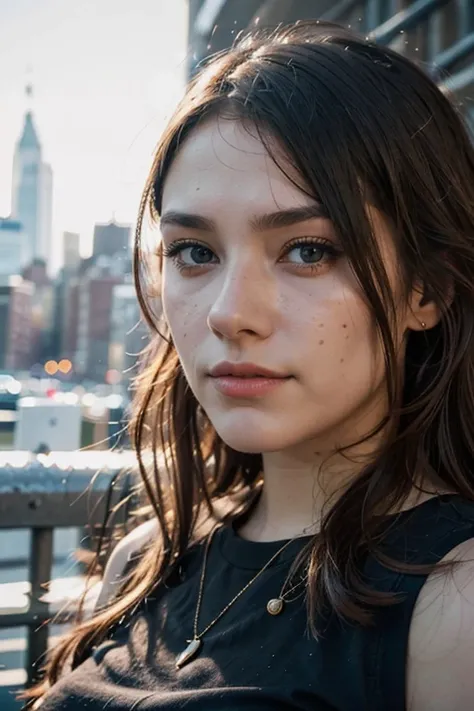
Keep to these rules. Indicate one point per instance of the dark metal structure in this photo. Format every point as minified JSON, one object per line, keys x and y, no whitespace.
{"x":46,"y":492}
{"x":437,"y":33}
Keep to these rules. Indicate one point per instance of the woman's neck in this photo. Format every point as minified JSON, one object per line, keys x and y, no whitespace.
{"x":298,"y":492}
{"x":295,"y":493}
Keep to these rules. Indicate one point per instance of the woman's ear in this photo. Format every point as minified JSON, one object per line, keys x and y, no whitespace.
{"x":423,"y":312}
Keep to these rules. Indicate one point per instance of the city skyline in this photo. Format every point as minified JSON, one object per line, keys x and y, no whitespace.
{"x":105,"y":80}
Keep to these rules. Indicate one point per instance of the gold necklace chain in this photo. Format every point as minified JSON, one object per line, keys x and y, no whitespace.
{"x":195,"y":643}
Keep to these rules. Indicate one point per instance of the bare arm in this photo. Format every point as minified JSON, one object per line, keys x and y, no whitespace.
{"x":441,"y":644}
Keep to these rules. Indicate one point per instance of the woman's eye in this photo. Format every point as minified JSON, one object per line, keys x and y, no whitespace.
{"x":306,"y":254}
{"x":189,"y":255}
{"x":196,"y":255}
{"x":310,"y":255}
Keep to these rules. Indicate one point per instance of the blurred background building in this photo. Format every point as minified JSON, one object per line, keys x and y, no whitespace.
{"x":14,"y":250}
{"x":111,"y":240}
{"x":94,"y":317}
{"x":71,"y":251}
{"x":42,"y":310}
{"x":16,"y":328}
{"x":32,"y":191}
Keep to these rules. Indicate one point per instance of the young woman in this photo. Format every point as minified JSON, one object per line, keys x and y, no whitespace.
{"x":309,"y":404}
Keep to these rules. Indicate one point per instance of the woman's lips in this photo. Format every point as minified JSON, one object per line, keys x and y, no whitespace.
{"x":247,"y":387}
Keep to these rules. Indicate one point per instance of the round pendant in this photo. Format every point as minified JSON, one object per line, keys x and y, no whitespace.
{"x":275,"y":606}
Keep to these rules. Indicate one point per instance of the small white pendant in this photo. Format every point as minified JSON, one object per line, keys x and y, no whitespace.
{"x":185,"y":656}
{"x":275,"y":606}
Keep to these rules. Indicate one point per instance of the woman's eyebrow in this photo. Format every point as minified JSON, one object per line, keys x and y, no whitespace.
{"x":258,"y":223}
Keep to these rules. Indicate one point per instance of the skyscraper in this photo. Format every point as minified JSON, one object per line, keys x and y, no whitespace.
{"x":16,"y":327}
{"x":71,"y":250}
{"x":32,"y":191}
{"x":112,"y":240}
{"x":13,"y":247}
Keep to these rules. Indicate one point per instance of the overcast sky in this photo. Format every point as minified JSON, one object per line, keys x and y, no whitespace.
{"x":106,"y":75}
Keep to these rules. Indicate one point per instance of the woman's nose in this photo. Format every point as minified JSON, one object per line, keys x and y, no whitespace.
{"x":245,"y":305}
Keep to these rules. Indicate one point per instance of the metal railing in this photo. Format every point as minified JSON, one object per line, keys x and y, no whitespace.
{"x":46,"y":492}
{"x":448,"y":60}
{"x":408,"y":19}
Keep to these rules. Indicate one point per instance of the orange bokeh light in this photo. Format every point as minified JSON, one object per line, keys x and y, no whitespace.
{"x":65,"y":366}
{"x":51,"y":367}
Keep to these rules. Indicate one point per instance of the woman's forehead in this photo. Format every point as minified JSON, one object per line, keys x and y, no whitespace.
{"x":223,"y":161}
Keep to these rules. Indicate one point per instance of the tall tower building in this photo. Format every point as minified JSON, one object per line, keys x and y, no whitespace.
{"x":32,"y":188}
{"x":111,"y":240}
{"x":71,"y":250}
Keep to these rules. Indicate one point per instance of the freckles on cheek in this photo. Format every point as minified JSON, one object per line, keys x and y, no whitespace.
{"x":346,"y":346}
{"x":336,"y":338}
{"x":184,"y":320}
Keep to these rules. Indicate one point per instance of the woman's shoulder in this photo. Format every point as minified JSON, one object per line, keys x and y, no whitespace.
{"x":440,"y":664}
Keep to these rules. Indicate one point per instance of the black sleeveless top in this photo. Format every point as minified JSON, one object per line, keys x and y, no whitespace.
{"x":254,"y":661}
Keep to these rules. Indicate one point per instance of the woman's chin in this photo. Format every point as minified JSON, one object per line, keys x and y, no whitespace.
{"x":253,"y":439}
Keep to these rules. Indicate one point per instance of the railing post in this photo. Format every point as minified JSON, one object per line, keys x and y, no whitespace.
{"x":47,"y":493}
{"x":41,"y":562}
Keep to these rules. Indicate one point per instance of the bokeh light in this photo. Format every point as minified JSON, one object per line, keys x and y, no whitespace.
{"x":65,"y":366}
{"x":51,"y":367}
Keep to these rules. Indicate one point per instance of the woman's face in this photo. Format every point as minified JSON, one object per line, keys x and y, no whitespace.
{"x":253,"y":274}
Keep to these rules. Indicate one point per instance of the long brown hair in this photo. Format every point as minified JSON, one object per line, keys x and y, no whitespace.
{"x":359,"y":123}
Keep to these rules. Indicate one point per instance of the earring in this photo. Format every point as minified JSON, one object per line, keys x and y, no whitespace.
{"x":422,"y":324}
